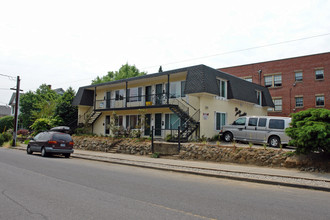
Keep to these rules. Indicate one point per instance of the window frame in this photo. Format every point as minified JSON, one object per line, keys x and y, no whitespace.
{"x":223,"y":88}
{"x":295,"y":76}
{"x":222,"y":123}
{"x":299,"y":106}
{"x":319,"y":69}
{"x":273,"y":80}
{"x":281,"y":106}
{"x":318,"y":96}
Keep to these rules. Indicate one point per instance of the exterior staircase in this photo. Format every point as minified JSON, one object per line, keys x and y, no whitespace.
{"x":93,"y":117}
{"x":189,"y":124}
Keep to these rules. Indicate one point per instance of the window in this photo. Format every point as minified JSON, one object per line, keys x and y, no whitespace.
{"x":119,"y":121}
{"x":268,"y":81}
{"x":319,"y":100}
{"x":249,"y":79}
{"x":299,"y":101}
{"x":176,"y":89}
{"x":223,"y":88}
{"x":183,"y":87}
{"x":107,"y":124}
{"x":319,"y":74}
{"x":119,"y":95}
{"x":253,"y":121}
{"x":172,"y":121}
{"x":298,"y":76}
{"x":132,"y":121}
{"x":276,"y":123}
{"x":278,"y":104}
{"x":240,"y":121}
{"x":259,"y":97}
{"x":220,"y":120}
{"x":134,"y":94}
{"x":262,"y":122}
{"x":273,"y":80}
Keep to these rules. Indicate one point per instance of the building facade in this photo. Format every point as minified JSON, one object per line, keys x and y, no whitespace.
{"x":295,"y":84}
{"x":199,"y":99}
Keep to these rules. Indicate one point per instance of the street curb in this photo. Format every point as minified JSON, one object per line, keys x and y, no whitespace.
{"x":270,"y":182}
{"x":278,"y":183}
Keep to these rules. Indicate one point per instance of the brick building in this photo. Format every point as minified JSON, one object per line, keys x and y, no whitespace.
{"x":295,"y":84}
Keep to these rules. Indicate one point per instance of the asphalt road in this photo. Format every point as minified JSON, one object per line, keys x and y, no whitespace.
{"x":33,"y":187}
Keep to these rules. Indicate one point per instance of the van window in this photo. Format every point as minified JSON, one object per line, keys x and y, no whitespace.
{"x":240,"y":121}
{"x":253,"y":121}
{"x":276,"y":123}
{"x":262,"y":122}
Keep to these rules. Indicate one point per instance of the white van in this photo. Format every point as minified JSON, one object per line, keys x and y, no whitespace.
{"x":258,"y":129}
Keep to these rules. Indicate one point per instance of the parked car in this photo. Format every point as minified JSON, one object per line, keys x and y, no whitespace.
{"x":258,"y":129}
{"x":51,"y":142}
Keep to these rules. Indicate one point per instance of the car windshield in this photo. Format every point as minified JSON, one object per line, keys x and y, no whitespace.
{"x":62,"y":137}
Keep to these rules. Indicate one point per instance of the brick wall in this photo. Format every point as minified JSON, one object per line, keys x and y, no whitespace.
{"x":290,"y":89}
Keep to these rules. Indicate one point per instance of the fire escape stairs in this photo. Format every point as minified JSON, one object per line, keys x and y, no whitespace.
{"x":188,"y":126}
{"x":93,"y":117}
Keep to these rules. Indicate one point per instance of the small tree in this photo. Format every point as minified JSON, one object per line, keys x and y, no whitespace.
{"x":310,"y":131}
{"x":44,"y":124}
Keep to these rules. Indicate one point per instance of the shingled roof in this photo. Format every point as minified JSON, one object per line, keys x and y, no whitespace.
{"x":200,"y":79}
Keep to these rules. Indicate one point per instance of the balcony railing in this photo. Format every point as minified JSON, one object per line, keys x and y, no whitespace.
{"x":135,"y":101}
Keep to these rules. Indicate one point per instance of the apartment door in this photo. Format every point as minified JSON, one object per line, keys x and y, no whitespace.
{"x":107,"y":99}
{"x":159,"y":94}
{"x":148,"y":93}
{"x":107,"y":124}
{"x":147,"y":126}
{"x":158,"y":124}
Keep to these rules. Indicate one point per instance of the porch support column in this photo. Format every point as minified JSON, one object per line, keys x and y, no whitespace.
{"x":126,"y":96}
{"x":168,"y":88}
{"x":94,"y":98}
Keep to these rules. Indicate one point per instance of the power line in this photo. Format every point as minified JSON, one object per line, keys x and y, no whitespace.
{"x":10,"y":77}
{"x":245,"y":49}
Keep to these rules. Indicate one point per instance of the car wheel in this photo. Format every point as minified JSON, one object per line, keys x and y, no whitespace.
{"x":274,"y":141}
{"x":66,"y":155}
{"x":228,"y":136}
{"x":28,"y":150}
{"x":43,"y":152}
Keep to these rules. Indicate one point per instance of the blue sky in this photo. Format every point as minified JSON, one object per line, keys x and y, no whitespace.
{"x":69,"y":43}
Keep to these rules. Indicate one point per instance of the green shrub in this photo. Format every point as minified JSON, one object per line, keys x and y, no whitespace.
{"x":2,"y":140}
{"x":26,"y":141}
{"x":310,"y":131}
{"x":44,"y":124}
{"x":155,"y":155}
{"x":6,"y":123}
{"x":7,"y":136}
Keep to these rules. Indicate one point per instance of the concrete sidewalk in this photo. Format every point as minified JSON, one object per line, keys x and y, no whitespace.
{"x":267,"y":175}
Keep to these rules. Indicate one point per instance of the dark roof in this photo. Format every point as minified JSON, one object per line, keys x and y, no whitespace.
{"x":200,"y":79}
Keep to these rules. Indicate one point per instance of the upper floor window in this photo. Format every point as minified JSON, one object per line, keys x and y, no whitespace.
{"x":259,"y":97}
{"x":249,"y":78}
{"x":176,"y":89}
{"x":119,"y":94}
{"x":223,"y":88}
{"x":277,"y":104}
{"x":299,"y":101}
{"x":134,"y":94}
{"x":273,"y":80}
{"x":298,"y":76}
{"x":319,"y":100}
{"x":319,"y":74}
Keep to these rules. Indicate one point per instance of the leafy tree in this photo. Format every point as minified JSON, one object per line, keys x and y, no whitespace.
{"x":310,"y":131}
{"x":40,"y":104}
{"x":27,"y":106}
{"x":6,"y":123}
{"x":44,"y":124}
{"x":65,"y":110}
{"x":126,"y":71}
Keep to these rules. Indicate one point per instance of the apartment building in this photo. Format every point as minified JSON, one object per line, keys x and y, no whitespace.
{"x":295,"y":84}
{"x":199,"y":99}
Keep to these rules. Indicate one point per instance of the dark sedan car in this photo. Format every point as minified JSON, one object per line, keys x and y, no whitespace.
{"x":51,"y":142}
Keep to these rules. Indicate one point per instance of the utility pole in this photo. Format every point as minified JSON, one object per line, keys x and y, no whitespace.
{"x":16,"y":111}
